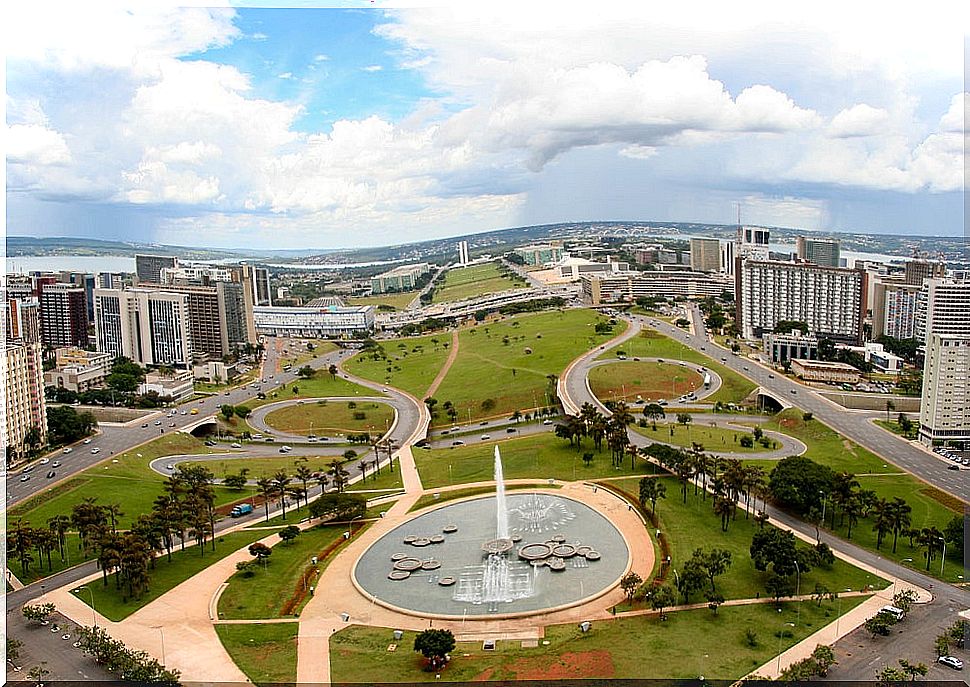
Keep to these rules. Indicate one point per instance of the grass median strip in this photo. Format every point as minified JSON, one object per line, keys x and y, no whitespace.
{"x":265,"y":652}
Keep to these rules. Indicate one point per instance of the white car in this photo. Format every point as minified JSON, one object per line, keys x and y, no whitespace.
{"x":68,"y":449}
{"x":184,"y":412}
{"x":45,"y":461}
{"x":286,"y":448}
{"x":96,"y":450}
{"x":235,"y":445}
{"x":951,"y":661}
{"x":86,"y":441}
{"x":169,"y":467}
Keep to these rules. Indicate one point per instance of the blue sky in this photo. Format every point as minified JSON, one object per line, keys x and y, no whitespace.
{"x":284,"y":128}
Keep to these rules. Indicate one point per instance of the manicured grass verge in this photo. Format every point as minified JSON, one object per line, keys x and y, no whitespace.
{"x":625,"y":648}
{"x":505,"y":366}
{"x":429,"y":499}
{"x":332,"y":418}
{"x":397,"y":301}
{"x":693,"y":525}
{"x":893,"y":426}
{"x":266,"y":466}
{"x":539,"y":456}
{"x":111,"y":602}
{"x":385,"y":480}
{"x":652,"y":344}
{"x":715,"y":439}
{"x":268,"y":591}
{"x":410,"y":364}
{"x":630,"y":380}
{"x":265,"y":652}
{"x":469,"y":282}
{"x":318,"y":386}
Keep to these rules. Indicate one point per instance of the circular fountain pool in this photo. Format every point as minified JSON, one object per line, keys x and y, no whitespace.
{"x":555,"y":552}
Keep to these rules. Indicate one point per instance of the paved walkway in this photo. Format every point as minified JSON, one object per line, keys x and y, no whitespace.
{"x":443,"y":372}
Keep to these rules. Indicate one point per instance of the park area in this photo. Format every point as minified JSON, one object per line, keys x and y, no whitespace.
{"x":410,"y":363}
{"x":332,"y":418}
{"x":512,"y":364}
{"x":265,"y":652}
{"x":633,"y":380}
{"x":476,"y":280}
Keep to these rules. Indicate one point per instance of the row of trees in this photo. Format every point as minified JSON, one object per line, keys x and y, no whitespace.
{"x":811,"y":489}
{"x":129,"y":665}
{"x":592,"y":424}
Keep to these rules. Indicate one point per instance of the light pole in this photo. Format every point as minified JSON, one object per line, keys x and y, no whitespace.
{"x":162,"y":634}
{"x":839,"y":616}
{"x":824,"y":501}
{"x":798,"y":584}
{"x":943,"y":559}
{"x":781,"y":633}
{"x":94,"y":615}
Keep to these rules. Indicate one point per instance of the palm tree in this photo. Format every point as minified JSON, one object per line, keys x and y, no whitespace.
{"x":113,"y":511}
{"x":323,"y":481}
{"x":362,"y":466}
{"x":633,"y":451}
{"x":883,"y":520}
{"x":266,"y":489}
{"x":724,"y":507}
{"x":651,"y":490}
{"x":280,"y":482}
{"x":929,"y":538}
{"x":338,"y":474}
{"x":59,"y":524}
{"x":304,"y":474}
{"x":333,"y":371}
{"x":843,"y":488}
{"x":852,"y":509}
{"x":109,"y":557}
{"x":899,"y":514}
{"x":890,"y":407}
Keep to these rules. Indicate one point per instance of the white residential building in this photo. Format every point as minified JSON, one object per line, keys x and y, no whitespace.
{"x":151,"y":327}
{"x":324,"y":322}
{"x":830,"y":300}
{"x":945,"y":405}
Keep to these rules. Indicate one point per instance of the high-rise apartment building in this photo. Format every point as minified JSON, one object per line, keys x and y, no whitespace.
{"x":830,"y":300}
{"x":824,"y":252}
{"x":727,"y":250}
{"x":263,"y":295}
{"x":148,"y":268}
{"x":705,"y":255}
{"x":894,"y":309}
{"x":463,"y":252}
{"x":151,"y":327}
{"x":943,"y":320}
{"x":23,"y":319}
{"x":23,"y":404}
{"x":63,"y":315}
{"x":753,"y":243}
{"x":918,"y":270}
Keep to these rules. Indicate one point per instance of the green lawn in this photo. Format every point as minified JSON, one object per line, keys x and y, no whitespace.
{"x":653,"y":344}
{"x":893,"y":426}
{"x":454,"y":494}
{"x":626,"y":648}
{"x":504,"y":366}
{"x":333,"y":418}
{"x":269,"y":590}
{"x":538,"y":456}
{"x":265,"y":652}
{"x":691,"y":525}
{"x":469,"y":282}
{"x":397,"y":301}
{"x":319,"y":386}
{"x":111,"y":603}
{"x":631,"y":380}
{"x":385,"y":480}
{"x":410,"y":364}
{"x":713,"y":439}
{"x":827,"y":446}
{"x":269,"y":465}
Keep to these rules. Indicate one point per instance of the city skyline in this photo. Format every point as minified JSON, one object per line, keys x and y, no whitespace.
{"x":290,"y":128}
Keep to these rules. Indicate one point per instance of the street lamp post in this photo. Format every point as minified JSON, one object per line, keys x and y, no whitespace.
{"x":161,"y":633}
{"x":94,"y":615}
{"x":839,"y":616}
{"x":943,"y":559}
{"x":798,"y":585}
{"x":781,"y":634}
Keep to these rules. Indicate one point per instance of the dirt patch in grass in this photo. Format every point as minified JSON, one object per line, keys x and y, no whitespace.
{"x":951,"y":502}
{"x":568,"y":666}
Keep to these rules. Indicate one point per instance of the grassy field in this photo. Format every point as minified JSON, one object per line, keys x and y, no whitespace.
{"x":111,"y":603}
{"x":508,"y":362}
{"x":630,"y":380}
{"x":266,"y":593}
{"x":468,"y":282}
{"x":128,"y":482}
{"x":693,"y":525}
{"x":687,"y":644}
{"x":268,"y":466}
{"x":538,"y":456}
{"x":297,"y":355}
{"x":319,"y":386}
{"x":397,"y":301}
{"x":827,"y":446}
{"x":385,"y":480}
{"x":893,"y":426}
{"x":714,"y":439}
{"x":454,"y":494}
{"x":410,"y":364}
{"x":265,"y":652}
{"x":332,"y":418}
{"x":652,"y":344}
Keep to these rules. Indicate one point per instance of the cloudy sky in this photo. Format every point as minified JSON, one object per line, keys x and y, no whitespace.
{"x":375,"y":123}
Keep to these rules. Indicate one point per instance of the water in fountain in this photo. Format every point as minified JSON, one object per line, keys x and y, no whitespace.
{"x":502,"y":513}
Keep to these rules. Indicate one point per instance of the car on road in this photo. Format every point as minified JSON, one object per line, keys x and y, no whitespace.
{"x":486,"y":437}
{"x":195,"y":411}
{"x":50,"y":474}
{"x":171,"y":424}
{"x":744,"y":367}
{"x":158,"y":423}
{"x":951,"y":661}
{"x":45,"y":461}
{"x":184,"y":412}
{"x":794,"y":391}
{"x":384,"y":389}
{"x":226,"y":394}
{"x":235,"y":445}
{"x":56,"y":464}
{"x":86,"y":441}
{"x":68,"y":450}
{"x":510,"y":430}
{"x":954,"y":466}
{"x":144,"y":425}
{"x":170,"y":466}
{"x":24,"y":478}
{"x":723,"y":359}
{"x":770,"y":376}
{"x":210,"y":442}
{"x":547,"y":422}
{"x":458,"y":442}
{"x":286,"y":448}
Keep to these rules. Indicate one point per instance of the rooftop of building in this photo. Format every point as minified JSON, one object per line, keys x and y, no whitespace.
{"x":824,"y":365}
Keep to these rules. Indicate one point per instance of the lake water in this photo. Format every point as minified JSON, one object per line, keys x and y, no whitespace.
{"x":93,"y":264}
